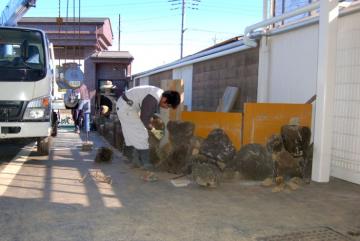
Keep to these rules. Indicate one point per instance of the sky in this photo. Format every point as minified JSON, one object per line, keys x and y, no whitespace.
{"x":151,"y":29}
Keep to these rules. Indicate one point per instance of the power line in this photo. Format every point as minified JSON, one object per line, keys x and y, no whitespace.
{"x":147,"y":19}
{"x":240,"y":13}
{"x":209,"y":31}
{"x":119,"y":28}
{"x":184,"y":4}
{"x":207,"y":7}
{"x":127,"y":4}
{"x":151,"y":30}
{"x":149,"y":44}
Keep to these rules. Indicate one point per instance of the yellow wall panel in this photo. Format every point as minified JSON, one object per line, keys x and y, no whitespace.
{"x":261,"y":120}
{"x":205,"y":122}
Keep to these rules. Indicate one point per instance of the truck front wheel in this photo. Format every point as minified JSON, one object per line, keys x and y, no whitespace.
{"x":43,"y":145}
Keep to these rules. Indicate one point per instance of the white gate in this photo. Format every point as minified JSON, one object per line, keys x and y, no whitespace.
{"x":345,"y":153}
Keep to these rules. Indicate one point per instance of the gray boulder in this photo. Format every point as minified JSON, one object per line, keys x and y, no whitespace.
{"x":219,"y":147}
{"x":254,"y":162}
{"x":205,"y":172}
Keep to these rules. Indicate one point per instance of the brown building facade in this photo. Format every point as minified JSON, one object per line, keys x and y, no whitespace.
{"x":87,"y":41}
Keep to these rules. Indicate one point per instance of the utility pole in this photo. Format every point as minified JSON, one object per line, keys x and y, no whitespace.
{"x":214,"y":39}
{"x":119,"y":33}
{"x":182,"y":28}
{"x":193,"y":5}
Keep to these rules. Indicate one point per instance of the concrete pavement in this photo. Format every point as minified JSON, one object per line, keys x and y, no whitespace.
{"x":43,"y":199}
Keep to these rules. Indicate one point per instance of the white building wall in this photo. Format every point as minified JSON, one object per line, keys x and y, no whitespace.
{"x":292,"y":63}
{"x":185,"y":73}
{"x":289,"y":71}
{"x":345,"y":153}
{"x":144,"y":80}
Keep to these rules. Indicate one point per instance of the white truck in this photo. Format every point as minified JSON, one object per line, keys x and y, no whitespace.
{"x":26,"y":79}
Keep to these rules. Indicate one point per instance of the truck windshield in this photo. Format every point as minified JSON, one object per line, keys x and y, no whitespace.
{"x":22,"y":55}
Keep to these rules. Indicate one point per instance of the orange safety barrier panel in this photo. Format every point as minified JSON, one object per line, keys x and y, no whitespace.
{"x":261,"y":120}
{"x":205,"y":122}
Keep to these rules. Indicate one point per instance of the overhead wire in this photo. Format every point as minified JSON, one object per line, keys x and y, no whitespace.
{"x":152,"y":30}
{"x":59,"y":34}
{"x":74,"y":28}
{"x":152,"y":18}
{"x":240,"y":7}
{"x":66,"y":29}
{"x":206,"y":7}
{"x":79,"y":34}
{"x":208,"y":31}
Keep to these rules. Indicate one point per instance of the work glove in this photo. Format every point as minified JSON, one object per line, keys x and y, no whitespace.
{"x":158,"y":134}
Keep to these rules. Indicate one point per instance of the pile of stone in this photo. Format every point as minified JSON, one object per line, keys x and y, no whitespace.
{"x":285,"y":161}
{"x":215,"y":159}
{"x":204,"y":159}
{"x":174,"y":156}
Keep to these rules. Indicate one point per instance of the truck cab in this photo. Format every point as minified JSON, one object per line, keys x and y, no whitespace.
{"x":26,"y":79}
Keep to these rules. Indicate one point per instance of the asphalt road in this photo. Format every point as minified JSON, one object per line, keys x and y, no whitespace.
{"x":9,"y":148}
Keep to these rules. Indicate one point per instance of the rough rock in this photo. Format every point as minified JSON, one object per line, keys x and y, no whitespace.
{"x":180,"y":131}
{"x":176,"y":161}
{"x":274,"y":144}
{"x":154,"y":143}
{"x":268,"y":182}
{"x":286,"y":165}
{"x":254,"y":162}
{"x":287,"y":186}
{"x":307,"y":164}
{"x":218,"y":146}
{"x":104,"y":154}
{"x":229,"y":174}
{"x":279,"y":188}
{"x":296,"y":139}
{"x":175,"y":156}
{"x":204,"y":172}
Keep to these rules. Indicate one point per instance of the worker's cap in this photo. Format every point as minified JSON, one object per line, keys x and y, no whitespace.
{"x":107,"y":84}
{"x":104,"y":109}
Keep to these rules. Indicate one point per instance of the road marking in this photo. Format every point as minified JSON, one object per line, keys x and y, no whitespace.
{"x":8,"y":174}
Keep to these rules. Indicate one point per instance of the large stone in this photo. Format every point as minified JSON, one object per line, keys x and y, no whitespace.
{"x":218,"y":146}
{"x":204,"y":172}
{"x":175,"y":156}
{"x":296,"y":139}
{"x":154,"y":143}
{"x":286,"y":165}
{"x":307,"y":164}
{"x":104,"y":154}
{"x":254,"y":162}
{"x":274,"y":144}
{"x":180,"y":131}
